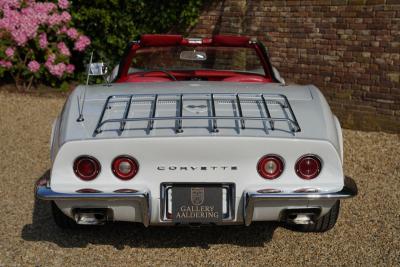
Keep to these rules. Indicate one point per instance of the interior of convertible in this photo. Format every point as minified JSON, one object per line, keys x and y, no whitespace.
{"x":169,"y":58}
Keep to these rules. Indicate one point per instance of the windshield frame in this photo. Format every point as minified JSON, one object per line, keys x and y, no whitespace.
{"x":242,"y":60}
{"x":133,"y":47}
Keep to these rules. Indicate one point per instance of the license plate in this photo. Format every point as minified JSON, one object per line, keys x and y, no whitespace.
{"x":196,"y":204}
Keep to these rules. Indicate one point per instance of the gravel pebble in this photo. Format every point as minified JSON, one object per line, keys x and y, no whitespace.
{"x":367,"y":232}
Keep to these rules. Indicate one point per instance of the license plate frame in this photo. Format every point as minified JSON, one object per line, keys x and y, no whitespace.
{"x":197,"y":203}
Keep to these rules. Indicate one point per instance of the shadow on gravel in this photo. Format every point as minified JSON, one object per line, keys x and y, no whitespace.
{"x":121,"y":234}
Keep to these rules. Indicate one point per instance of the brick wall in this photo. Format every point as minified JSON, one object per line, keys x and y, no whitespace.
{"x":350,"y":49}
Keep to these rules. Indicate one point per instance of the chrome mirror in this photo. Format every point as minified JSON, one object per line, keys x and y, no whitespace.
{"x":193,"y":55}
{"x":97,"y":69}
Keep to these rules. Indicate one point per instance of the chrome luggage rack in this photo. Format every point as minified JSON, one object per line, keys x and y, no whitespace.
{"x":236,"y":98}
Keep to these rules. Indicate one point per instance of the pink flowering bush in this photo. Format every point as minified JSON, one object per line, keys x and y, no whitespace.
{"x":37,"y":40}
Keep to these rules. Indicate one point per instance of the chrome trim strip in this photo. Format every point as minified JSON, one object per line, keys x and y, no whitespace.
{"x":306,"y":190}
{"x":250,"y":198}
{"x":269,"y":191}
{"x":42,"y":191}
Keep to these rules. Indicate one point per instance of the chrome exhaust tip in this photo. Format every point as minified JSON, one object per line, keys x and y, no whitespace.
{"x":302,"y":219}
{"x":300,"y":216}
{"x":91,"y":216}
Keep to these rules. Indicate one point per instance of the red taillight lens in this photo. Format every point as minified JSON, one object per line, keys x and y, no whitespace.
{"x":87,"y":168}
{"x":270,"y":166}
{"x":125,"y":167}
{"x":308,"y":167}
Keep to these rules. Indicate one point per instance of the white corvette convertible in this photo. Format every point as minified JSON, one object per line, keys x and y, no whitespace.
{"x":196,"y":131}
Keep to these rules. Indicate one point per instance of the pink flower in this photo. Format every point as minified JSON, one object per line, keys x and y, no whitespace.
{"x":62,"y":47}
{"x":20,"y":38}
{"x":54,"y":20}
{"x":50,"y":60}
{"x":65,"y":16}
{"x":70,"y":68}
{"x":9,"y":4}
{"x":57,"y":70}
{"x":42,"y":11}
{"x":43,"y":8}
{"x":82,"y":42}
{"x":10,"y":52}
{"x":21,"y":23}
{"x":63,"y":4}
{"x":43,"y":40}
{"x":34,"y":66}
{"x":62,"y":30}
{"x":5,"y":64}
{"x":72,"y":33}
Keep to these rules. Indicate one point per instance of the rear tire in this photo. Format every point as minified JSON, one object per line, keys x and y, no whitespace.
{"x":62,"y":220}
{"x":323,"y":224}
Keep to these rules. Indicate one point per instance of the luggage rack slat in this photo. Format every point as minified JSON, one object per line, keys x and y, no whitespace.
{"x":295,"y":124}
{"x":98,"y":128}
{"x":240,"y":111}
{"x":212,"y":98}
{"x":267,"y":112}
{"x":179,"y":129}
{"x":214,"y":124}
{"x":126,"y":112}
{"x":153,"y":113}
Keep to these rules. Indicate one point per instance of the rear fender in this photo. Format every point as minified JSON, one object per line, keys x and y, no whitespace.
{"x":54,"y":139}
{"x":339,"y":136}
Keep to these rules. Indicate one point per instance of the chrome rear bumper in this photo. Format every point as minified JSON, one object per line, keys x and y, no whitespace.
{"x":251,"y":198}
{"x":44,"y":192}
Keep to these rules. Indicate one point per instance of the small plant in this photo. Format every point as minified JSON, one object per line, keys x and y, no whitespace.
{"x":36,"y":42}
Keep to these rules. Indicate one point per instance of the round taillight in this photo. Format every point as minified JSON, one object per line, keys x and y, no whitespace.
{"x":270,"y":166}
{"x":308,"y":167}
{"x":125,"y":167}
{"x":87,"y":168}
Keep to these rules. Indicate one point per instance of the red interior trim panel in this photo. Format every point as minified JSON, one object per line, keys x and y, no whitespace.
{"x":228,"y":40}
{"x":160,"y":40}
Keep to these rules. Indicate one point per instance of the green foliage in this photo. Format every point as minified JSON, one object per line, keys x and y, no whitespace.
{"x":111,"y":24}
{"x":64,"y":87}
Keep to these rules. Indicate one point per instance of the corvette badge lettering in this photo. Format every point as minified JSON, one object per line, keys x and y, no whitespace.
{"x":197,"y":168}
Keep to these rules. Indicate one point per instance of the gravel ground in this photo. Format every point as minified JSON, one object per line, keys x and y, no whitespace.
{"x":367,"y":232}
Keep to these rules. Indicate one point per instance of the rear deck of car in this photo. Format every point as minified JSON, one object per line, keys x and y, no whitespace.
{"x":194,"y":109}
